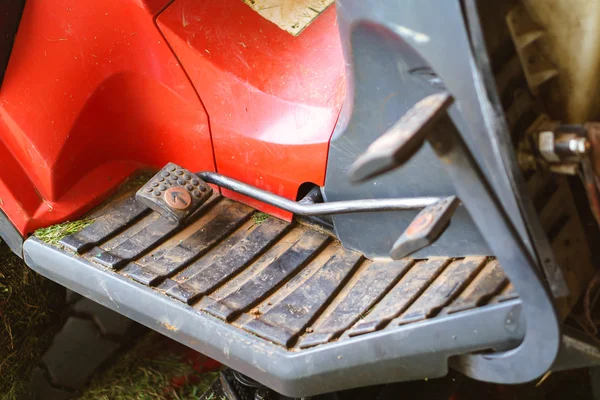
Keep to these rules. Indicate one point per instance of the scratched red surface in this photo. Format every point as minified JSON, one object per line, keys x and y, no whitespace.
{"x":93,"y":92}
{"x":273,"y":98}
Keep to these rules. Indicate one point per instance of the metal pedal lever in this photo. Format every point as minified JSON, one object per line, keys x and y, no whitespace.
{"x":391,"y":151}
{"x":401,"y":141}
{"x":538,"y":350}
{"x":176,"y":194}
{"x":426,"y":228}
{"x":306,"y":208}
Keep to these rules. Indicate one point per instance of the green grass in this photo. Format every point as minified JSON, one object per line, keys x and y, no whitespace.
{"x":259,"y":218}
{"x":149,"y":371}
{"x":30,"y":312}
{"x":53,"y":234}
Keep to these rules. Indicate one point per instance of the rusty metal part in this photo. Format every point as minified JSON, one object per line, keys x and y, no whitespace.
{"x":422,"y":221}
{"x":565,"y":149}
{"x":557,"y":147}
{"x":426,"y":228}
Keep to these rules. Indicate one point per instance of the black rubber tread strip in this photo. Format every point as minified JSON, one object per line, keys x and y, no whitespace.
{"x":269,"y":279}
{"x":238,"y":257}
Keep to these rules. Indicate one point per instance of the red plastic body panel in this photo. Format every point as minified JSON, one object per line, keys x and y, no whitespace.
{"x":92,"y":92}
{"x":273,"y":98}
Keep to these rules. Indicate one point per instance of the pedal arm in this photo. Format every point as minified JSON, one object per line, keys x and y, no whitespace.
{"x":536,"y":354}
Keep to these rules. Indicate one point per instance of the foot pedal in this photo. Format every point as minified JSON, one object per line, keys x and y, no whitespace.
{"x":401,"y":141}
{"x":174,"y":192}
{"x":538,"y":351}
{"x":426,"y":228}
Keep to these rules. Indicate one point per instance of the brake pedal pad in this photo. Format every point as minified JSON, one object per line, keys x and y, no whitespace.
{"x":402,"y":140}
{"x":174,"y":193}
{"x":426,"y":228}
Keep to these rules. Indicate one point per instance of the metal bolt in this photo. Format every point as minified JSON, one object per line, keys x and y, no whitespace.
{"x":579,"y":146}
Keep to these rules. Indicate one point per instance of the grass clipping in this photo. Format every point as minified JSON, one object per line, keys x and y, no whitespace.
{"x":150,"y":370}
{"x":30,"y":311}
{"x":53,"y":234}
{"x":259,"y":218}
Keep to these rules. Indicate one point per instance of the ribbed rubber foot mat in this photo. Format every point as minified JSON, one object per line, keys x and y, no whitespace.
{"x":284,"y":282}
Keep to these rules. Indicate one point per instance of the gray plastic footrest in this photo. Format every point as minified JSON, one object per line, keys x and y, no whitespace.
{"x":285,"y":304}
